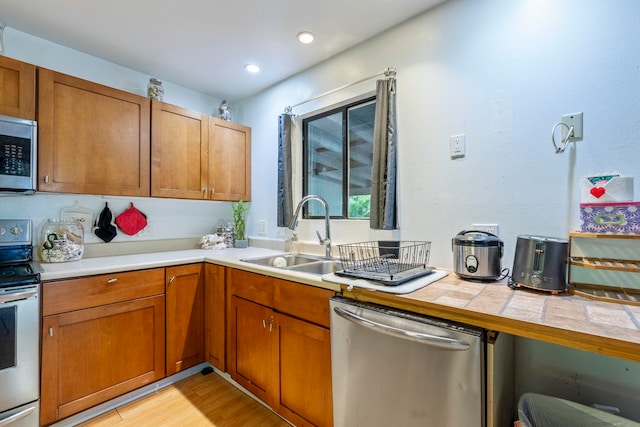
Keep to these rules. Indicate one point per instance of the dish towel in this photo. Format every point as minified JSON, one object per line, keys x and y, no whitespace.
{"x":105,"y":228}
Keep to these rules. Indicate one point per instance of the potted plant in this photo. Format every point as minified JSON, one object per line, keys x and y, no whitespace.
{"x":240,"y":210}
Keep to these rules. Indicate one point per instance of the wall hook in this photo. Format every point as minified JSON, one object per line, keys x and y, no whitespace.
{"x":572,"y":131}
{"x":564,"y":141}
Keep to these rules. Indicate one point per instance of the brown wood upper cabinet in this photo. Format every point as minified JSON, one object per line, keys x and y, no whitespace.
{"x":179,"y":139}
{"x":92,"y":139}
{"x":229,"y":160}
{"x":195,"y":156}
{"x":17,"y":89}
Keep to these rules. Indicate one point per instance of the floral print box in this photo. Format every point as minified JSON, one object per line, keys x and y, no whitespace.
{"x":610,"y":218}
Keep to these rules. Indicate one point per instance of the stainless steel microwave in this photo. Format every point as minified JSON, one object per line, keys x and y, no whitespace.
{"x":18,"y":155}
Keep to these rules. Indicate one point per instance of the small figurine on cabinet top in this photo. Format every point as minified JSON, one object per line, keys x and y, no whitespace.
{"x":155,"y":89}
{"x":225,"y":112}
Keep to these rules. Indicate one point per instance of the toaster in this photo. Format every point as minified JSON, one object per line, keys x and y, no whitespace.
{"x":541,"y":263}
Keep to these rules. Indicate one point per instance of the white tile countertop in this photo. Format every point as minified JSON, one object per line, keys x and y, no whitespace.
{"x":571,"y":320}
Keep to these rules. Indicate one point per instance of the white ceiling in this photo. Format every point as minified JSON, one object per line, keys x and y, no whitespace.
{"x":204,"y":44}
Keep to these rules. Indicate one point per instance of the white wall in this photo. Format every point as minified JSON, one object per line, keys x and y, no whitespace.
{"x":502,"y":72}
{"x":169,"y":218}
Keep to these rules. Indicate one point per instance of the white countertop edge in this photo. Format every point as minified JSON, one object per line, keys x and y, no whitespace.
{"x":229,"y":257}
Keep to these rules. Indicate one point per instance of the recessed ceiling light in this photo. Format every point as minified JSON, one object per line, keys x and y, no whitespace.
{"x":305,"y":37}
{"x":252,"y":68}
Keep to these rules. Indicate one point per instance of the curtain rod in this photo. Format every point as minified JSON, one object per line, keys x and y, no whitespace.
{"x":389,"y":72}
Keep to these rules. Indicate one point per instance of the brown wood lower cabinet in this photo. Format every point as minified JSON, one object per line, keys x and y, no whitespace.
{"x":215,"y":313}
{"x":278,"y":345}
{"x":185,"y":317}
{"x":305,"y":379}
{"x":104,"y":336}
{"x":101,"y":338}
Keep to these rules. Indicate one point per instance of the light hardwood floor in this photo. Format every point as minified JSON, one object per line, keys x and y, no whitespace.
{"x":199,"y":400}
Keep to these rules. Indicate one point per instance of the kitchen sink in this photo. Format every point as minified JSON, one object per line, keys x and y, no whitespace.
{"x":283,"y":260}
{"x":298,"y":262}
{"x":325,"y":266}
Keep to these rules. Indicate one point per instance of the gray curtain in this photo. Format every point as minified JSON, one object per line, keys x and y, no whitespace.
{"x":383,"y":174}
{"x":285,"y":189}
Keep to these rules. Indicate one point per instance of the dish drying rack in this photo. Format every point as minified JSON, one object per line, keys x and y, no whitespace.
{"x":389,"y":262}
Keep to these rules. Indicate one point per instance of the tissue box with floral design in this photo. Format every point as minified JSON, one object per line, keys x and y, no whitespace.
{"x":610,"y":218}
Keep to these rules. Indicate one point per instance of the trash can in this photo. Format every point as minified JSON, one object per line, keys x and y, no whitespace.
{"x":538,"y":410}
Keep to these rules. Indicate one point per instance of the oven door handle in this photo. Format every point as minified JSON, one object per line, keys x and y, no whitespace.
{"x":433,"y":340}
{"x":16,"y":296}
{"x":17,"y":416}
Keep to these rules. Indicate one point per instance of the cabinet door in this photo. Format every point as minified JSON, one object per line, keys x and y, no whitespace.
{"x":17,"y":89}
{"x":253,"y":349}
{"x":305,"y":396}
{"x":229,"y":160}
{"x":215,"y":315}
{"x":303,"y":301}
{"x":179,"y":139}
{"x":93,"y":355}
{"x":92,"y":139}
{"x":185,"y":317}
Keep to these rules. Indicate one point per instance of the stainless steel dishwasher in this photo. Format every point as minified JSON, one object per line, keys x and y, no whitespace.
{"x":393,"y":368}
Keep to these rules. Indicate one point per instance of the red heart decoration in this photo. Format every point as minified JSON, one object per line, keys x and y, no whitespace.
{"x":597,"y":192}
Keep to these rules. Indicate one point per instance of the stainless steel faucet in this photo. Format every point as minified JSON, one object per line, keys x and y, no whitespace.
{"x":294,"y":222}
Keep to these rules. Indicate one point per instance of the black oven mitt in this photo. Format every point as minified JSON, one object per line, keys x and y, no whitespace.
{"x":105,"y":228}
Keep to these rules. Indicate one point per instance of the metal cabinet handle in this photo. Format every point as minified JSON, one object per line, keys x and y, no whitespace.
{"x":443,"y":342}
{"x":50,"y":332}
{"x":171,"y":279}
{"x":17,"y":416}
{"x":204,"y":191}
{"x":112,"y":280}
{"x":264,"y":323}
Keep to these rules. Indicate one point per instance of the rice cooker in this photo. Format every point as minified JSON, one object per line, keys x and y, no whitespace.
{"x":477,"y":254}
{"x":541,"y":263}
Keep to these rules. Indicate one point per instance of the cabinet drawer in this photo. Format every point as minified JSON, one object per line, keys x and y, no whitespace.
{"x":302,"y":301}
{"x":251,"y":286}
{"x":92,"y":291}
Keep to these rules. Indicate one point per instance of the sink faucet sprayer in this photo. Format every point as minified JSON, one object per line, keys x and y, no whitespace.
{"x":294,"y":222}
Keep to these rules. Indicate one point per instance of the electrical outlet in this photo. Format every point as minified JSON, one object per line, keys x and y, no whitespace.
{"x":262,"y":227}
{"x":458,"y":145}
{"x":489,"y":228}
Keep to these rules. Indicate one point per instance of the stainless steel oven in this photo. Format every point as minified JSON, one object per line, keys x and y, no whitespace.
{"x":19,"y":326}
{"x":18,"y":155}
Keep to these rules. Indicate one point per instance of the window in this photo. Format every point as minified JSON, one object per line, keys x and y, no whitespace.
{"x":337,"y":157}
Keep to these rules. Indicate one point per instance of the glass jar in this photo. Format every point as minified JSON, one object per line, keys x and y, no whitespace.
{"x":62,"y":241}
{"x":155,"y":89}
